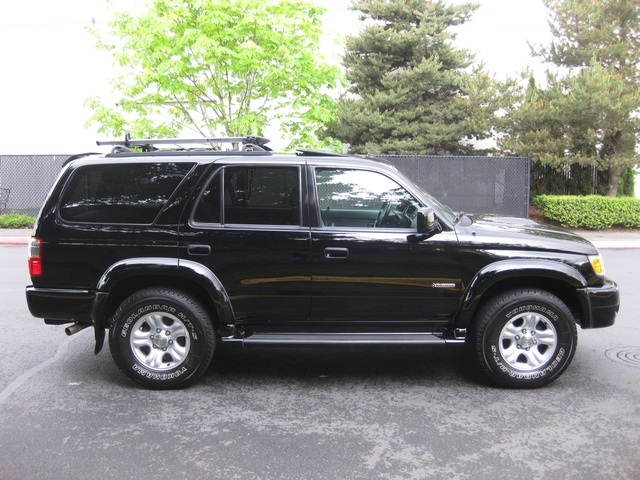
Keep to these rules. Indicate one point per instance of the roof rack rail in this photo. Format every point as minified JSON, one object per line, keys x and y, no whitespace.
{"x":249,"y":143}
{"x":304,"y":152}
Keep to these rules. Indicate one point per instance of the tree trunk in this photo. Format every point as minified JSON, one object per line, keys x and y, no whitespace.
{"x":615,"y":176}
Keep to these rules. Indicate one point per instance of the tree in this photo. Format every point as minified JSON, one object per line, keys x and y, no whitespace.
{"x":606,"y":31}
{"x":583,"y":118}
{"x":225,"y":67}
{"x":410,"y":90}
{"x":589,"y":114}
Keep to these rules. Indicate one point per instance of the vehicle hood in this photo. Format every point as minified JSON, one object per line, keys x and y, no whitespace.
{"x":522,"y":233}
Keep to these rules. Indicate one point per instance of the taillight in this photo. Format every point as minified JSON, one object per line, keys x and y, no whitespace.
{"x":35,"y":257}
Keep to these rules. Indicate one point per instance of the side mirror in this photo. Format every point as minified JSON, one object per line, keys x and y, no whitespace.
{"x":426,"y":221}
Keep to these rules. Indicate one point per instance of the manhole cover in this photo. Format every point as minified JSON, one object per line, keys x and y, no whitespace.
{"x":625,"y":355}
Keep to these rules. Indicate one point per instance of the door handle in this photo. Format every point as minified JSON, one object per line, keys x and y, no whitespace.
{"x":199,"y":249}
{"x":334,"y":252}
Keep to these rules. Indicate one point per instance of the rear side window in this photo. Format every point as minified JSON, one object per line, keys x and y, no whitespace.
{"x":120,"y":193}
{"x":251,"y":196}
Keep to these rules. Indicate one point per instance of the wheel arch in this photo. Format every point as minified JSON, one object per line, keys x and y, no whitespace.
{"x":131,"y":275}
{"x":557,"y":278}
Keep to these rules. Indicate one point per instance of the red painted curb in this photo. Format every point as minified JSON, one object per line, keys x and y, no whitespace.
{"x":14,"y":240}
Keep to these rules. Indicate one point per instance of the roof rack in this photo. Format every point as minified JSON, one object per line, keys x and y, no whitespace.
{"x":249,"y":143}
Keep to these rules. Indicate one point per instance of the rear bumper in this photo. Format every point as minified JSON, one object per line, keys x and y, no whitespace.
{"x":61,"y":306}
{"x":600,"y":305}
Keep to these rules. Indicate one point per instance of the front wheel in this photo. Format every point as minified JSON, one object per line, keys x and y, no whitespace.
{"x":161,"y":338}
{"x":524,"y":338}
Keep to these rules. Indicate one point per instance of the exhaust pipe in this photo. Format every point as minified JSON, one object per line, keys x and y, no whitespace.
{"x":75,"y":328}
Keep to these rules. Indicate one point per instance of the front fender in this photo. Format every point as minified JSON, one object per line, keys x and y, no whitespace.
{"x":506,"y":270}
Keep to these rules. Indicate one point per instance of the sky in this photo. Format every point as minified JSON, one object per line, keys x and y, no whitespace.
{"x":49,"y":64}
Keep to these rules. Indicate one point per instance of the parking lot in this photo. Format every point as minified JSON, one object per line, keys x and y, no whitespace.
{"x":314,"y":413}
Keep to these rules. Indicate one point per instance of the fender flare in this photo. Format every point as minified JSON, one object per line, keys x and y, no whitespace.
{"x":510,"y":269}
{"x":194,"y":271}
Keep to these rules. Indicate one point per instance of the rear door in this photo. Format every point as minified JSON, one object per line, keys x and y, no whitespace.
{"x":249,"y":226}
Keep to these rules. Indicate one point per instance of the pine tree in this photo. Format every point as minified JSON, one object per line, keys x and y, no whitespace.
{"x":587,"y":114}
{"x":410,"y":90}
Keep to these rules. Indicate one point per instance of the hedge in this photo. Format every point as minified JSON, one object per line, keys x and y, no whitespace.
{"x":592,"y":211}
{"x":16,"y":220}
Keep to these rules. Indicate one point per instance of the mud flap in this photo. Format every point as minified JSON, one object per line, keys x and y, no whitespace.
{"x":99,"y":334}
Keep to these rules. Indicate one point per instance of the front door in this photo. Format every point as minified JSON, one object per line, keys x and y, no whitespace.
{"x":369,"y":266}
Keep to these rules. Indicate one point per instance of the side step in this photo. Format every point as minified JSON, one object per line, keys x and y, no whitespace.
{"x":342,"y":339}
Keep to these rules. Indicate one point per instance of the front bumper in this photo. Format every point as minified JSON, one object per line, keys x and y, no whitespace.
{"x":600,"y":305}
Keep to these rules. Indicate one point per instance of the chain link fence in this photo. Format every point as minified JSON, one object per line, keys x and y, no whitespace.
{"x":27,"y":179}
{"x":469,"y":184}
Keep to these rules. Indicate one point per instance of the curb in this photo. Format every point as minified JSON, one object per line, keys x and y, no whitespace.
{"x":616,"y":244}
{"x":14,"y":240}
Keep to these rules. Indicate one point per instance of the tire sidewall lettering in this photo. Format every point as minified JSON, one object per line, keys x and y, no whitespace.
{"x":515,"y":374}
{"x":158,"y":376}
{"x":126,"y":325}
{"x":533,"y":308}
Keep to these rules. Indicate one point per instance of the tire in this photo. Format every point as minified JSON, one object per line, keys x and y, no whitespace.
{"x":524,"y":338}
{"x":162,"y":339}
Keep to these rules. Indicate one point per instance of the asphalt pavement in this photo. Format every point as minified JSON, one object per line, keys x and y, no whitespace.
{"x":293,"y":413}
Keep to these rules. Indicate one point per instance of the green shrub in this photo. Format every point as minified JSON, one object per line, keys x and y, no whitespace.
{"x":593,"y":211}
{"x":16,"y":220}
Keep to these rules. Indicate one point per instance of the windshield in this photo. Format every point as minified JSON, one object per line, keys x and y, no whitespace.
{"x":445,"y":210}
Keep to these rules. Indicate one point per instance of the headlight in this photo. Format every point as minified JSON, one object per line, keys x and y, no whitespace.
{"x":597,"y":264}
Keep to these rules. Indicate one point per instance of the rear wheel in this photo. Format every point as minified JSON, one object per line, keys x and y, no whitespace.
{"x":524,"y":338}
{"x":162,"y":339}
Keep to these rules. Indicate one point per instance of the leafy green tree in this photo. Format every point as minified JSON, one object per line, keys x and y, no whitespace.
{"x":411,"y":90}
{"x":219,"y":67}
{"x":589,"y":113}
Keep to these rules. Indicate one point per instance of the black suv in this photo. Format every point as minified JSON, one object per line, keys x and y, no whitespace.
{"x":175,"y":251}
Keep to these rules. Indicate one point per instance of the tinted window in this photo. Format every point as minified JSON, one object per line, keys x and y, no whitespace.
{"x":360,"y":198}
{"x":208,"y":209}
{"x":124,"y":193}
{"x":252,"y":196}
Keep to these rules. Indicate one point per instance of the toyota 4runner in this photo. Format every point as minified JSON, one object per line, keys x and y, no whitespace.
{"x":175,"y":251}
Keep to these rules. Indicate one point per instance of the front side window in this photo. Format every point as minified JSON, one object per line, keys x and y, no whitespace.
{"x":361,"y":198}
{"x":120,"y":193}
{"x":251,"y":196}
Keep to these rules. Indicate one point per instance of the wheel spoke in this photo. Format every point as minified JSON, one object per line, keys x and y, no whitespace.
{"x":154,"y":320}
{"x":530,"y":321}
{"x":546,"y":337}
{"x":535,"y":359}
{"x":141,"y":337}
{"x":177,"y":352}
{"x":154,"y":359}
{"x":510,"y":330}
{"x":178,"y":331}
{"x":512,"y":355}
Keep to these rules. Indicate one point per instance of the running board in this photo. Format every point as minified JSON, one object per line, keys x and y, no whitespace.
{"x":342,"y":339}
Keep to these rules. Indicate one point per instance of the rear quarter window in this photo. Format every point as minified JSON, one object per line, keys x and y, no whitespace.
{"x":120,"y":193}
